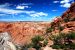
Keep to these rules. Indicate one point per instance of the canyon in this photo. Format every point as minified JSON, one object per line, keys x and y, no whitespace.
{"x":22,"y":32}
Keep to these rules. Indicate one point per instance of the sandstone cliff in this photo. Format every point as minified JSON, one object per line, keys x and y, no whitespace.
{"x":67,"y":20}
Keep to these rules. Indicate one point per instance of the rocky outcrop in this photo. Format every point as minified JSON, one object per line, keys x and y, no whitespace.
{"x":5,"y":42}
{"x":67,"y":21}
{"x":22,"y":32}
{"x":70,"y":12}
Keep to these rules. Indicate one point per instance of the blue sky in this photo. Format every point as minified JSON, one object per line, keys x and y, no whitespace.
{"x":32,"y":10}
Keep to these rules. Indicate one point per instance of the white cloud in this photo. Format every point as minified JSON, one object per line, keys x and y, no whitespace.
{"x":26,"y":4}
{"x":39,"y":14}
{"x":55,"y":1}
{"x":4,"y":9}
{"x":30,"y":13}
{"x":21,"y":7}
{"x":54,"y":10}
{"x":66,"y":3}
{"x":9,"y":11}
{"x":5,"y":5}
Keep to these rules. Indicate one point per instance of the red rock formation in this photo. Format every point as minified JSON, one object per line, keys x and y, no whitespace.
{"x":69,"y":15}
{"x":22,"y":32}
{"x":70,"y":11}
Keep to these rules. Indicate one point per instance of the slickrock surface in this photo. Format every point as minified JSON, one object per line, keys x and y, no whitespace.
{"x":69,"y":26}
{"x":22,"y":32}
{"x":5,"y":43}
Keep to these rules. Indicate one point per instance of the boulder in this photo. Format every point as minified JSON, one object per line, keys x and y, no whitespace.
{"x":5,"y":43}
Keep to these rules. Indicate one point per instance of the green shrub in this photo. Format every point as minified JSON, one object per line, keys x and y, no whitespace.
{"x":67,"y":18}
{"x":45,"y":42}
{"x":60,"y":28}
{"x":56,"y":46}
{"x":35,"y":42}
{"x":71,"y":35}
{"x":37,"y":38}
{"x":63,"y":41}
{"x":48,"y":30}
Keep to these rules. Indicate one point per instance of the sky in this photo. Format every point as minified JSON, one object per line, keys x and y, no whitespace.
{"x":32,"y":10}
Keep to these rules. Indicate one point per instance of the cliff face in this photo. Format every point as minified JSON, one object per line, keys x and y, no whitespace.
{"x":70,"y":15}
{"x":70,"y":11}
{"x":65,"y":23}
{"x":22,"y":32}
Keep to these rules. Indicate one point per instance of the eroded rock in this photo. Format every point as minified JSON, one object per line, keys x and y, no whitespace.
{"x":5,"y":42}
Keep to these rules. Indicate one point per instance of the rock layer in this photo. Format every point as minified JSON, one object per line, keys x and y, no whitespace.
{"x":22,"y":32}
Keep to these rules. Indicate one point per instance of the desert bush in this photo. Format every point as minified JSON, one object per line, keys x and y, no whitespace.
{"x":35,"y":42}
{"x":71,"y":35}
{"x":60,"y":28}
{"x":67,"y":18}
{"x":45,"y":42}
{"x":53,"y":24}
{"x":48,"y":30}
{"x":64,"y":41}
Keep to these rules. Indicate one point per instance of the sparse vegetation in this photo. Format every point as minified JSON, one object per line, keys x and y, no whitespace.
{"x":72,"y":19}
{"x":64,"y":41}
{"x":48,"y":30}
{"x":35,"y":42}
{"x":67,"y":18}
{"x":60,"y":28}
{"x":45,"y":42}
{"x":52,"y":25}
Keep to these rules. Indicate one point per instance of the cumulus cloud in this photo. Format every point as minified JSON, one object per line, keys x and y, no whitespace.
{"x":8,"y":11}
{"x":39,"y":14}
{"x":66,"y":3}
{"x":21,"y":7}
{"x":55,"y":1}
{"x":30,"y":13}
